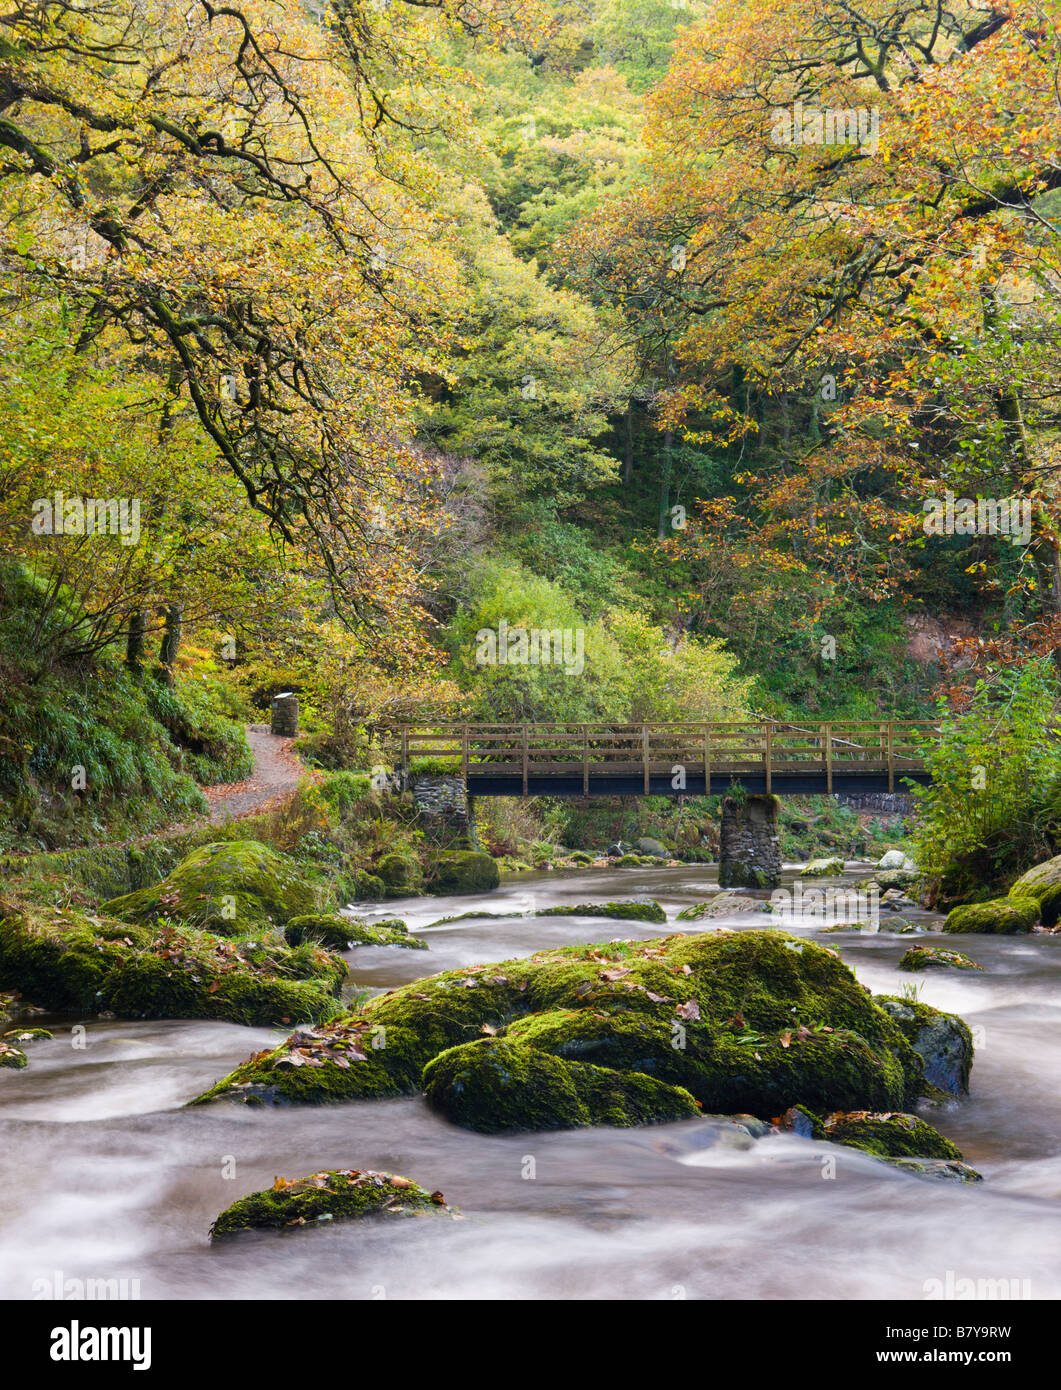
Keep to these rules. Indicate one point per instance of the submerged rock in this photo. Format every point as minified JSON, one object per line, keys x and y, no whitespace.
{"x":932,"y":958}
{"x":633,"y":911}
{"x":332,"y":1195}
{"x":73,"y":961}
{"x":752,"y":1022}
{"x":721,"y":905}
{"x":1002,"y":916}
{"x":338,"y":933}
{"x":228,"y":888}
{"x":947,"y":1170}
{"x":944,"y":1042}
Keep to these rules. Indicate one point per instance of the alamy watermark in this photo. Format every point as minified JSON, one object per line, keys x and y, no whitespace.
{"x":520,"y":646}
{"x":60,"y":515}
{"x":829,"y":906}
{"x":982,"y":516}
{"x":815,"y":125}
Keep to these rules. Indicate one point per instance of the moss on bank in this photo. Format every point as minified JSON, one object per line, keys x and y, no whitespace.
{"x":227,"y":887}
{"x":76,"y":962}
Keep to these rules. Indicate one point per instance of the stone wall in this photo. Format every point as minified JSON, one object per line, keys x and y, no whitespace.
{"x":750,"y":847}
{"x":885,"y":803}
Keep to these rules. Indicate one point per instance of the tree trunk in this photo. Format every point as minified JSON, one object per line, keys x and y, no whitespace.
{"x":171,"y":641}
{"x":664,"y":487}
{"x":628,"y":461}
{"x":135,"y":641}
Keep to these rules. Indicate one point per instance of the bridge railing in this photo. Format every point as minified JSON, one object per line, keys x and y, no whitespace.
{"x":766,"y":748}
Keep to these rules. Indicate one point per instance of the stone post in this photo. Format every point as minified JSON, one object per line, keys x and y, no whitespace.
{"x":284,"y":720}
{"x":750,"y":848}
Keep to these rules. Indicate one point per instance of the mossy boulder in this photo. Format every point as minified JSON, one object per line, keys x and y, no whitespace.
{"x":338,"y":933}
{"x":401,"y":873}
{"x":229,"y":887}
{"x":493,"y":1086}
{"x":1000,"y":916}
{"x":822,"y":868}
{"x":333,"y":1195}
{"x":364,"y":887}
{"x":892,"y":1135}
{"x":71,"y":961}
{"x":1043,"y":883}
{"x":462,"y":871}
{"x":944,"y":1042}
{"x":744,"y":1022}
{"x":919,"y":958}
{"x":630,"y":911}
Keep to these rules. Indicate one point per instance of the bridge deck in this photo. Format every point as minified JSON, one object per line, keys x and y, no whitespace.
{"x":668,"y":759}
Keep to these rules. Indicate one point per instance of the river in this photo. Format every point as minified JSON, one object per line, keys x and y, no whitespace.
{"x":105,"y":1176}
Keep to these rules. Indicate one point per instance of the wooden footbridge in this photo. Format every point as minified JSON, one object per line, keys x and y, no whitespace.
{"x":668,"y":759}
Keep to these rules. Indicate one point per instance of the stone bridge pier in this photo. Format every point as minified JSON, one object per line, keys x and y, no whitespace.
{"x":750,"y":847}
{"x":445,"y":805}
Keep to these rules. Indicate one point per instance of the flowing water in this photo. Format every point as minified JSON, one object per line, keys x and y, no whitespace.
{"x":105,"y":1176}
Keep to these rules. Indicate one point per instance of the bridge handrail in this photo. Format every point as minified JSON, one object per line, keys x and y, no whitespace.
{"x":764,"y":746}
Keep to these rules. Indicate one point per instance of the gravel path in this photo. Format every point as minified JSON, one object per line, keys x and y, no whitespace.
{"x":277,"y":772}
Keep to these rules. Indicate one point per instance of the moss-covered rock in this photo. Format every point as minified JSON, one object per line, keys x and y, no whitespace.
{"x":822,"y":868}
{"x":891,"y":1135}
{"x":631,"y":911}
{"x":493,"y":1086}
{"x":332,"y":1195}
{"x":12,"y":1057}
{"x":944,"y":1042}
{"x":748,"y":1022}
{"x":1043,"y":883}
{"x":229,"y":887}
{"x":1001,"y":916}
{"x":71,"y":961}
{"x":931,"y":958}
{"x":365,"y":887}
{"x":338,"y":933}
{"x":401,"y":874}
{"x":946,"y":1170}
{"x":462,"y":871}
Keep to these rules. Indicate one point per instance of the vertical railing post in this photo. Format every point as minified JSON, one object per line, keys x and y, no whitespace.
{"x":405,"y":755}
{"x":891,"y":756}
{"x":767,"y":752}
{"x":526,"y":759}
{"x":585,"y":760}
{"x":464,"y":754}
{"x":707,"y":760}
{"x":644,"y":755}
{"x":828,"y":737}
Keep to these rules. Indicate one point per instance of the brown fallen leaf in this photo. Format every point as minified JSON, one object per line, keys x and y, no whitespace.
{"x":786,"y":1039}
{"x":689,"y":1010}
